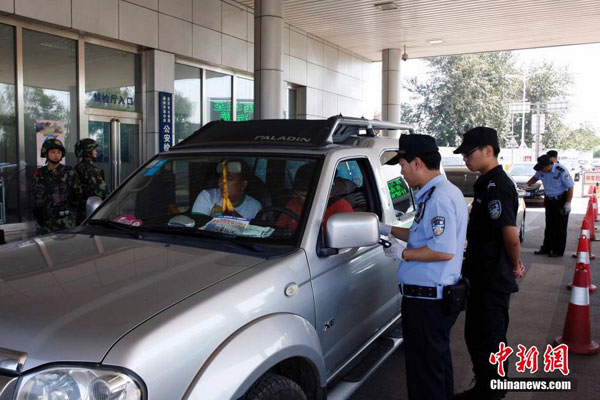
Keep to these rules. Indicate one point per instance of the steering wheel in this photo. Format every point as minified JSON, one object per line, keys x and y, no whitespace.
{"x":281,"y":210}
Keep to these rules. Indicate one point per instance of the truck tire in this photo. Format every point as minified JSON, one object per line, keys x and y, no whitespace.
{"x":275,"y":387}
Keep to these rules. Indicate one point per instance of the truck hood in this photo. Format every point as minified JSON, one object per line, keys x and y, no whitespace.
{"x":70,"y":297}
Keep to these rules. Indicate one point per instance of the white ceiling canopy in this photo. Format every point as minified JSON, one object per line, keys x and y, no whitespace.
{"x":442,"y":27}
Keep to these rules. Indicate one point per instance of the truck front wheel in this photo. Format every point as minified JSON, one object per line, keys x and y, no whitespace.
{"x":275,"y":387}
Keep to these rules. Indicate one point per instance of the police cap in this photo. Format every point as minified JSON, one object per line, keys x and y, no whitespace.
{"x":542,"y":161}
{"x":410,"y":146}
{"x":478,"y":137}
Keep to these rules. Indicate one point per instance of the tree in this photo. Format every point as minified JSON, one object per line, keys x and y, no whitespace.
{"x":545,"y":82}
{"x":583,"y":138}
{"x":463,"y":92}
{"x":472,"y":90}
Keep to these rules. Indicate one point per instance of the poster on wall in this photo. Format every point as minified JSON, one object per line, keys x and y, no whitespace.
{"x":47,"y":129}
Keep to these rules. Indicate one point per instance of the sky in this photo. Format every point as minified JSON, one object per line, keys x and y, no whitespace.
{"x":582,"y":61}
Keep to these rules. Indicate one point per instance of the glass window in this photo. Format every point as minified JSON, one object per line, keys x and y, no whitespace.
{"x":8,"y":128}
{"x":183,"y":193}
{"x":244,"y":99}
{"x":218,"y":94}
{"x":188,"y":92}
{"x":292,"y":107}
{"x":50,"y":95}
{"x":112,"y":79}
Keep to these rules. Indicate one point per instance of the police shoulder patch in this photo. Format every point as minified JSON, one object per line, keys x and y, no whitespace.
{"x":495,"y":209}
{"x":438,"y":225}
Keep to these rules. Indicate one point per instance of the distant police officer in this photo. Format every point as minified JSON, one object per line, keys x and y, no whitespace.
{"x":56,"y":190}
{"x":430,"y":264}
{"x":492,"y":259}
{"x":553,"y":154}
{"x":91,"y":178}
{"x":558,"y":193}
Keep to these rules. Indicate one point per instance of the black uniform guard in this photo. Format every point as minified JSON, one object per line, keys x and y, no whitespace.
{"x":487,"y":263}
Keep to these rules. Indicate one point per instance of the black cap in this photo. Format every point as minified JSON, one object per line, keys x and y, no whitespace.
{"x":409,"y":146}
{"x":477,"y":137}
{"x":542,"y":161}
{"x":552,"y":153}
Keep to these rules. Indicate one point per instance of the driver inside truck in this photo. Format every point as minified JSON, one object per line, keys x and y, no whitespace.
{"x":230,"y":197}
{"x":336,"y":203}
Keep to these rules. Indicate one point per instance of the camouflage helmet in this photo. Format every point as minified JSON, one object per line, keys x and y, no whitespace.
{"x":84,"y":147}
{"x":52,"y":144}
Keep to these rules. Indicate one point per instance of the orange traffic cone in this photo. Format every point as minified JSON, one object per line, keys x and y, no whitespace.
{"x":590,"y":217}
{"x":577,"y":330}
{"x":585,"y":230}
{"x":583,"y":250}
{"x":595,"y":205}
{"x":591,"y":191}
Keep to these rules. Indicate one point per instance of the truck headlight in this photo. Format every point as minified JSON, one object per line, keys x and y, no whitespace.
{"x":78,"y":383}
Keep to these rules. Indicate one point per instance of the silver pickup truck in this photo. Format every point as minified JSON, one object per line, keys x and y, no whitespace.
{"x":287,"y":296}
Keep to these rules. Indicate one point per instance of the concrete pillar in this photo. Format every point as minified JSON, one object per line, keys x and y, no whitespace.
{"x":268,"y":59}
{"x":160,"y":77}
{"x":390,"y":86}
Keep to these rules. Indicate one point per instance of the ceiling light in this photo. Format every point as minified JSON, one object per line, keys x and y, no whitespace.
{"x":435,"y":41}
{"x":388,"y":5}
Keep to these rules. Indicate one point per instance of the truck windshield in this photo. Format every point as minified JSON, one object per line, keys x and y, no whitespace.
{"x":262,"y":198}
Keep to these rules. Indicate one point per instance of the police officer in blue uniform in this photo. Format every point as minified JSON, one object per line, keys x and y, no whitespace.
{"x":492,"y":259}
{"x":558,"y":193}
{"x":430,"y":264}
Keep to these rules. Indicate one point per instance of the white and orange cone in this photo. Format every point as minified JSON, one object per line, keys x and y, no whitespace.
{"x":577,"y":329}
{"x":595,"y":205}
{"x":583,"y":259}
{"x":590,"y":217}
{"x":585,"y":230}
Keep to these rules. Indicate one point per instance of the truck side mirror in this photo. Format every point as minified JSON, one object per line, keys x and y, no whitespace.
{"x":352,"y":229}
{"x":91,"y":204}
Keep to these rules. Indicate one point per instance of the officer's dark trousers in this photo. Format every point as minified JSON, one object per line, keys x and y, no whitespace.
{"x":426,"y":330}
{"x":555,"y":233}
{"x":486,"y":323}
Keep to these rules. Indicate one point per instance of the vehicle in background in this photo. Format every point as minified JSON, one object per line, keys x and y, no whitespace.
{"x":463,"y":178}
{"x":574,"y":168}
{"x":521,"y":173}
{"x":452,"y":161}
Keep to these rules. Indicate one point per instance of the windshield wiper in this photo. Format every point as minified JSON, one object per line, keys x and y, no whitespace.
{"x":112,"y":224}
{"x":213,"y":235}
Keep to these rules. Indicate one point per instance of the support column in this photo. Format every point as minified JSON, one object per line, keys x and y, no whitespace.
{"x":268,"y":59}
{"x":390,"y":87}
{"x":160,"y":77}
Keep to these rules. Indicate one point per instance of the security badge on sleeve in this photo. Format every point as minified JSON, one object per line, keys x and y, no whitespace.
{"x":495,"y":209}
{"x":438,"y":225}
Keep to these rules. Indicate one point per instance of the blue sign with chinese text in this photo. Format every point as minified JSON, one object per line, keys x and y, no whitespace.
{"x":165,"y":123}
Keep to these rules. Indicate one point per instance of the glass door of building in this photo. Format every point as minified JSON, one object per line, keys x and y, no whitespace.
{"x":118,"y":149}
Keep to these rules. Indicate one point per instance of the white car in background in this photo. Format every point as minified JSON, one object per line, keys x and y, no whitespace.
{"x":521,"y":173}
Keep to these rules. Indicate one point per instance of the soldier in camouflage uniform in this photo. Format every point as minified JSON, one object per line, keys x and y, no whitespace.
{"x":56,"y":190}
{"x":91,"y":178}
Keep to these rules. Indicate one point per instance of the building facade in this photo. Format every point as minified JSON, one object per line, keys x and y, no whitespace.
{"x":126,"y":72}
